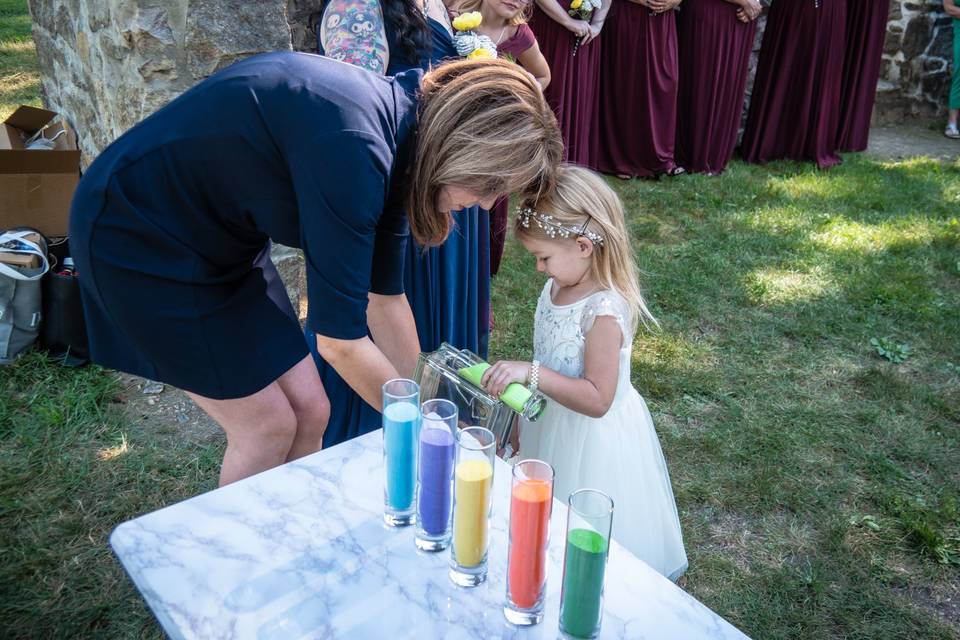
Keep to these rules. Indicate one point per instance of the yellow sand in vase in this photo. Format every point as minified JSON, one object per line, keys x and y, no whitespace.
{"x":471,"y":507}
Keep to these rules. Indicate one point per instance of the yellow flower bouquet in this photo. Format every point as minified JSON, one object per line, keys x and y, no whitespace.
{"x":467,"y":41}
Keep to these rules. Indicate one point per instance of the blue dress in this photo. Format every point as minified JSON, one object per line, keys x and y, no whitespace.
{"x":448,"y":286}
{"x":170,"y":226}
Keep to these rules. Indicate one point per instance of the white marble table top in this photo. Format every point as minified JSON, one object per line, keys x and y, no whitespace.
{"x":301,"y":551}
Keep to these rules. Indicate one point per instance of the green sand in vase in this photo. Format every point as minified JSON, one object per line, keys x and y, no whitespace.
{"x":583,"y":572}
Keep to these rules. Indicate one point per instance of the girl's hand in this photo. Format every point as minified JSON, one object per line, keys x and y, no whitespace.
{"x":496,"y":378}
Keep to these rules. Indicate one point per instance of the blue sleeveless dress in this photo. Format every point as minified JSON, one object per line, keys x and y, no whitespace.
{"x":448,"y":286}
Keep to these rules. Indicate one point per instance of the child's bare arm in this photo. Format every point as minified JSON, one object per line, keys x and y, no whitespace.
{"x":590,"y":395}
{"x":533,"y":61}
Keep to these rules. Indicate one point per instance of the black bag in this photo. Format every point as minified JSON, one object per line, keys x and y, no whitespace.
{"x":64,"y":333}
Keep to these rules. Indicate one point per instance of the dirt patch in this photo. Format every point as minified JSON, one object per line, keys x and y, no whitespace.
{"x":164,"y":408}
{"x":912,"y":140}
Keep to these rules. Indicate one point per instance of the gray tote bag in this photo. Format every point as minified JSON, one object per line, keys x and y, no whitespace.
{"x":20,"y":292}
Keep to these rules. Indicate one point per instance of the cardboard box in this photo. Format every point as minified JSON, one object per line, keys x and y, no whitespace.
{"x":36,"y":186}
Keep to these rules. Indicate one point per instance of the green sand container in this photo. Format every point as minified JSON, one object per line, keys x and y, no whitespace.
{"x":582,"y":596}
{"x":514,"y":396}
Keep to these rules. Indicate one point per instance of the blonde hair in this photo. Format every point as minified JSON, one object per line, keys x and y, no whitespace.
{"x":484,"y":126}
{"x":582,"y":200}
{"x":466,"y":6}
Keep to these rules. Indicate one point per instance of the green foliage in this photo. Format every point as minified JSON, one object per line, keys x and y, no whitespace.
{"x":895,"y":352}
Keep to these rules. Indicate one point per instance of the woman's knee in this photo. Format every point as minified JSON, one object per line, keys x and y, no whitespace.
{"x":313,"y":414}
{"x":268,"y":423}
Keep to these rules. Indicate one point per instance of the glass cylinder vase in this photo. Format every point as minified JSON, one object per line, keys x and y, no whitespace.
{"x":401,"y":429}
{"x":436,"y":456}
{"x":473,"y":488}
{"x":531,"y":502}
{"x":589,"y":520}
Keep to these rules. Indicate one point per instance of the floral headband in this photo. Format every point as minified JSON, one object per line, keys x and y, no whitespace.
{"x":554,"y":229}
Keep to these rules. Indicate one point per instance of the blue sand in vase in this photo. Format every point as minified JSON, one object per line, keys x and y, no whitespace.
{"x":401,"y":422}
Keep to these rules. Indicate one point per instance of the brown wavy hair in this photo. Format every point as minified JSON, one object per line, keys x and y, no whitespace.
{"x":484,"y":126}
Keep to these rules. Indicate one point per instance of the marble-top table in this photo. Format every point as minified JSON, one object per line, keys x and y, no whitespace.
{"x":301,"y":551}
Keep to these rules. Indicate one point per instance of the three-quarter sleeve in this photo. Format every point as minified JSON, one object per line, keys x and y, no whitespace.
{"x":341,"y":183}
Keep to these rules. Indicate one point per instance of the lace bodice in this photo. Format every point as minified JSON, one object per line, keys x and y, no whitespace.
{"x":560,"y":331}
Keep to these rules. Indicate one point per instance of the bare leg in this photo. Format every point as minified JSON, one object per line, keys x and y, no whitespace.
{"x":307,"y":397}
{"x":952,"y":118}
{"x":260,"y":430}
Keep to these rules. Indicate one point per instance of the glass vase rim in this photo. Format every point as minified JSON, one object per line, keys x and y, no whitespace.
{"x":400,"y":397}
{"x":440,"y":401}
{"x":584,"y":513}
{"x":477,"y":429}
{"x":553,"y":473}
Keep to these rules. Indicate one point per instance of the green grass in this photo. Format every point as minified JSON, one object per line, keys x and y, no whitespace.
{"x":818,"y":483}
{"x":19,"y":79}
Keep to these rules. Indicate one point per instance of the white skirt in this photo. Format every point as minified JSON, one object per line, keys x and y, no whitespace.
{"x":620,"y":455}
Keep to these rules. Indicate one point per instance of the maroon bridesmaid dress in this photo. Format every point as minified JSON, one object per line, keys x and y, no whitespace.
{"x":715,"y":51}
{"x":638,"y":92}
{"x":866,"y":32}
{"x":514,"y":47}
{"x":795,"y":105}
{"x":574,"y":83}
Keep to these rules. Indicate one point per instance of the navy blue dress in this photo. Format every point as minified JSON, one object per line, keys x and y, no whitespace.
{"x":170,"y":226}
{"x":448,"y":286}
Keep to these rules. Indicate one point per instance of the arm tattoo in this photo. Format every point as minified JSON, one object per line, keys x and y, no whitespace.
{"x":352,"y":31}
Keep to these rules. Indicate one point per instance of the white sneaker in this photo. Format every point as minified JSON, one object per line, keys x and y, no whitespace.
{"x":951,"y":131}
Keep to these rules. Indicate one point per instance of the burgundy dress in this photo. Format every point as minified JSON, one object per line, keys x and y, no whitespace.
{"x":574,"y":84}
{"x":866,"y":32}
{"x":513,"y":47}
{"x":795,"y":105}
{"x":638,"y":91}
{"x":715,"y":51}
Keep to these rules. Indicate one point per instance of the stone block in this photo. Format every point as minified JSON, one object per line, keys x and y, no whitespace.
{"x":917,"y":36}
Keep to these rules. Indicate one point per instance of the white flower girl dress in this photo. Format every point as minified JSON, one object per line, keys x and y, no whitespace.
{"x":619,"y":453}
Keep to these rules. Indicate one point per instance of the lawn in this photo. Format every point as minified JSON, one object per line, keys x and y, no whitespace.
{"x":805,"y":385}
{"x":19,"y":79}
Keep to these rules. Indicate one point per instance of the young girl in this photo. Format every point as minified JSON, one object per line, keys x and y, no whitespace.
{"x":505,"y":22}
{"x":597,"y":432}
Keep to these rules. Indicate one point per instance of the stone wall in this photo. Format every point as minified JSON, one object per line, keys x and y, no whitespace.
{"x":107,"y":64}
{"x":915,"y":74}
{"x":918,"y":52}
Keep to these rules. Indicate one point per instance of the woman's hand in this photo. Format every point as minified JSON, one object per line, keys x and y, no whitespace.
{"x":662,"y":6}
{"x":496,"y":378}
{"x":749,"y":10}
{"x":578,"y":28}
{"x":593,"y":32}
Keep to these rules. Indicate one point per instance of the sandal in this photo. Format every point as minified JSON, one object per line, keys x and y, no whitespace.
{"x":625,"y":176}
{"x":675,"y":171}
{"x":952,"y":132}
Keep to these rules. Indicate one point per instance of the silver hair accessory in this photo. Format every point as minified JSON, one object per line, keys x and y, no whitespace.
{"x":554,"y":229}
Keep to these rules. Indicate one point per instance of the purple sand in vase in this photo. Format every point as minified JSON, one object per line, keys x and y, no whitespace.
{"x":437,"y":451}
